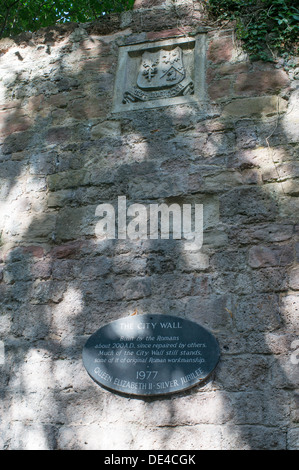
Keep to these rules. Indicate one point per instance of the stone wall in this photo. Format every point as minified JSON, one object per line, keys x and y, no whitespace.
{"x":62,"y":152}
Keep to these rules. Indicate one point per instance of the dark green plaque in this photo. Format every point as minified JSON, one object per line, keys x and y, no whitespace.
{"x":150,"y":355}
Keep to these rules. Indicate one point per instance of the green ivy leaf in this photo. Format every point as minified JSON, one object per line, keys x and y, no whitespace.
{"x":262,"y":25}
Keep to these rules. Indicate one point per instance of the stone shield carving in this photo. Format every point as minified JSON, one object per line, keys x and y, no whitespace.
{"x":161,"y":75}
{"x":161,"y":69}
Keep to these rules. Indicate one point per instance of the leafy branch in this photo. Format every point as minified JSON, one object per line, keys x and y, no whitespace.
{"x":6,"y":15}
{"x":267,"y":28}
{"x":30,"y":15}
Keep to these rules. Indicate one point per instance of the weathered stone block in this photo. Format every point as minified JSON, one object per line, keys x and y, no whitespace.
{"x":288,"y":208}
{"x":17,"y":142}
{"x":17,"y":272}
{"x":293,"y":439}
{"x":264,"y":105}
{"x":168,"y":33}
{"x":285,"y":374}
{"x":159,"y":264}
{"x":295,"y":407}
{"x":187,"y":411}
{"x":66,"y":179}
{"x":14,"y":120}
{"x":282,"y":172}
{"x":246,"y":134}
{"x":228,"y":260}
{"x":104,"y":129}
{"x":249,"y":437}
{"x":294,"y":278}
{"x":191,"y":262}
{"x":261,"y":233}
{"x":261,"y":408}
{"x":67,"y":250}
{"x":87,"y":109}
{"x":44,"y":292}
{"x":248,"y":373}
{"x":220,"y":89}
{"x":249,"y":205}
{"x":80,"y":269}
{"x":290,"y":121}
{"x":270,"y":280}
{"x":58,"y":135}
{"x":75,"y":222}
{"x":290,"y":309}
{"x":132,"y":289}
{"x":232,"y":69}
{"x":30,"y":436}
{"x":35,"y":325}
{"x":210,"y":312}
{"x":220,"y":50}
{"x":41,"y":269}
{"x":260,"y":312}
{"x":259,"y":82}
{"x":128,"y":264}
{"x":59,"y":198}
{"x":263,"y":256}
{"x":201,"y":437}
{"x":94,"y":437}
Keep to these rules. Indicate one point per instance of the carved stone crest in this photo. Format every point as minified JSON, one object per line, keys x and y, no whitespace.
{"x":161,"y":75}
{"x":164,"y":72}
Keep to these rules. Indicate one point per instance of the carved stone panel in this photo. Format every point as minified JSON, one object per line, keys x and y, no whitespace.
{"x":160,"y":73}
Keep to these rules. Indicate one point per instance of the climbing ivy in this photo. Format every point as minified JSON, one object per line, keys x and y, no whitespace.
{"x":267,"y":28}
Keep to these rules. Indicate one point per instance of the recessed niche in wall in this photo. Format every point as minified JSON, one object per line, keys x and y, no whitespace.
{"x":160,"y":73}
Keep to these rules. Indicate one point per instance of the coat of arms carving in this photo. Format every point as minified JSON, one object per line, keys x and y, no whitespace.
{"x":161,"y":75}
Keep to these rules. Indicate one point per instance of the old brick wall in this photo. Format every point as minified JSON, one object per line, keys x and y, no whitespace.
{"x":63,"y":152}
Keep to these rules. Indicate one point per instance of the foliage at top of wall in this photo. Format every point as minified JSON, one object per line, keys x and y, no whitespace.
{"x":267,"y":28}
{"x":17,"y":16}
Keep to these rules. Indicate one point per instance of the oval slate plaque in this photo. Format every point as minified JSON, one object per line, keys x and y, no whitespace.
{"x":150,"y":355}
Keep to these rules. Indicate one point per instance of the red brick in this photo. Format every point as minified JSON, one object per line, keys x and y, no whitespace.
{"x":108,"y":24}
{"x":154,"y":20}
{"x":35,"y":251}
{"x":211,"y":74}
{"x":66,"y":251}
{"x":59,"y":101}
{"x":41,"y":269}
{"x":230,"y":69}
{"x":219,"y":89}
{"x":101,"y":65}
{"x":16,"y":142}
{"x":212,"y":126}
{"x":87,"y":108}
{"x":10,"y":105}
{"x":220,"y":50}
{"x":168,"y":33}
{"x":255,"y":83}
{"x":13,"y":120}
{"x":58,"y":134}
{"x":36,"y":103}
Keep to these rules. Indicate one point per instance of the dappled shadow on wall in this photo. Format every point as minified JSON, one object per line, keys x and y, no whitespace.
{"x":61,"y":157}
